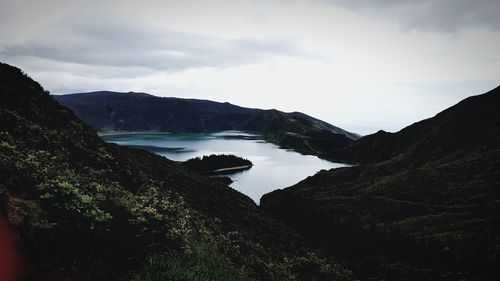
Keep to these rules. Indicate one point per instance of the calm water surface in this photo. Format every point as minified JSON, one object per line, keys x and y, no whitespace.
{"x":274,"y":168}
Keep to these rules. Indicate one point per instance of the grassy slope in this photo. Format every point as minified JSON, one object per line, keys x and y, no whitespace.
{"x":424,"y":204}
{"x":88,"y":210}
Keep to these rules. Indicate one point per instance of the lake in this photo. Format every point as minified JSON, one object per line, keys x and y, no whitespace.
{"x":273,"y":167}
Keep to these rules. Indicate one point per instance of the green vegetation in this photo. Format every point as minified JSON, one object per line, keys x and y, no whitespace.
{"x":214,"y":164}
{"x":202,"y":263}
{"x":88,"y":210}
{"x":422,"y":204}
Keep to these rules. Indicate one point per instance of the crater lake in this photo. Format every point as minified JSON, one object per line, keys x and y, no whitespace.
{"x":273,"y":167}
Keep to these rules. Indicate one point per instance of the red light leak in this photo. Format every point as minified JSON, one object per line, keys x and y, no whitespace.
{"x":9,"y":255}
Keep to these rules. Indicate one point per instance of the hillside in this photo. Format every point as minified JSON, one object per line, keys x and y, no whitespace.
{"x":114,"y":111}
{"x":423,"y":203}
{"x":465,"y":125}
{"x":76,"y":208}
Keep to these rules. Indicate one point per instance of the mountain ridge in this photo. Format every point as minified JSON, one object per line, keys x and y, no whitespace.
{"x":384,"y":145}
{"x":121,"y":111}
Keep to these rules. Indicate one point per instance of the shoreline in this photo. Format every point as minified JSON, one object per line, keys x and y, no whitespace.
{"x":232,"y":169}
{"x":110,"y":133}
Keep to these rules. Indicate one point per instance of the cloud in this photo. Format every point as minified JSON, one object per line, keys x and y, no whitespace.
{"x":118,"y":45}
{"x":430,"y":15}
{"x":352,"y":63}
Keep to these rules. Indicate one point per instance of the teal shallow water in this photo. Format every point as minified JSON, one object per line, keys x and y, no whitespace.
{"x":274,"y":168}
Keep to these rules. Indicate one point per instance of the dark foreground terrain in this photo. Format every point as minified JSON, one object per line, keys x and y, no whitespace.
{"x":422,"y":203}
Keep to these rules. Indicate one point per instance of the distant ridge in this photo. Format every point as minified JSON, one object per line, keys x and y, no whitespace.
{"x":120,"y":111}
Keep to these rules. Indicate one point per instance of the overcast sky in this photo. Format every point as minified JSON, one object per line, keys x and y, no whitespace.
{"x":363,"y":67}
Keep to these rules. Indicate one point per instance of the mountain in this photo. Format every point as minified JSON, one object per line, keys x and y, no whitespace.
{"x":114,"y":111}
{"x":421,"y":204}
{"x":467,"y":125}
{"x":73,"y":207}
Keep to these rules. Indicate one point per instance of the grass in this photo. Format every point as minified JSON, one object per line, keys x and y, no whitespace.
{"x":204,"y":263}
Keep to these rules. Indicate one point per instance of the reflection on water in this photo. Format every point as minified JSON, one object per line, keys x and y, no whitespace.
{"x":274,"y":168}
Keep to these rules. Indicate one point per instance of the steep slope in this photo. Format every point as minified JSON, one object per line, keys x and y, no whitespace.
{"x":87,"y":210}
{"x":299,"y":131}
{"x":424,"y":204}
{"x":143,"y":112}
{"x":465,"y":125}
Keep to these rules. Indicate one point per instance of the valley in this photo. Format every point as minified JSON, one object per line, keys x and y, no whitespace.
{"x":250,"y":140}
{"x":418,"y":204}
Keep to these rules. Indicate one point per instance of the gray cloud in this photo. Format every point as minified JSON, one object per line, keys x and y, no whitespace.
{"x":147,"y":47}
{"x":431,"y":15}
